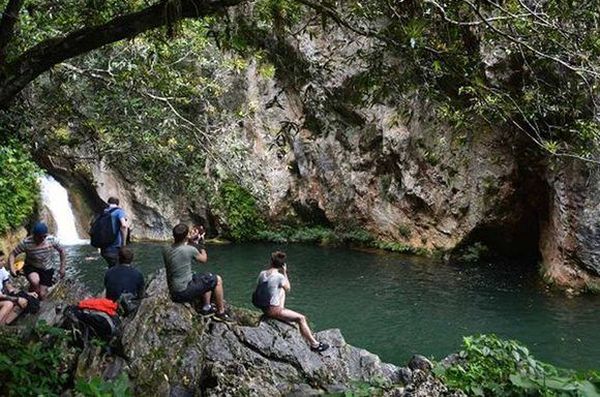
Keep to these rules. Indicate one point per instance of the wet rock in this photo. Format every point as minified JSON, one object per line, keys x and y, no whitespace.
{"x":426,"y":385}
{"x":405,"y":375}
{"x":418,"y":362}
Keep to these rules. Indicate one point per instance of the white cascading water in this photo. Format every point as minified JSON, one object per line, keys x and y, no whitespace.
{"x":55,"y":197}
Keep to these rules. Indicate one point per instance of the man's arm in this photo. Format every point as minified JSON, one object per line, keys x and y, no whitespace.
{"x":141,"y":287}
{"x":11,"y":263}
{"x":11,"y":258}
{"x":63,"y":260}
{"x":285,"y":283}
{"x":123,"y":229}
{"x":202,"y":256}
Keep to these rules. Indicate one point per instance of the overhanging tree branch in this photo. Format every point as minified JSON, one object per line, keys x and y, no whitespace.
{"x":40,"y":58}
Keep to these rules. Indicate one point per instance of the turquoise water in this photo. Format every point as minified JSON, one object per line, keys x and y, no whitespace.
{"x":395,"y":305}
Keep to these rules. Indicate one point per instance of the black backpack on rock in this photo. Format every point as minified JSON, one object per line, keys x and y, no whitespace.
{"x":87,"y":324}
{"x":261,"y":298}
{"x":103,"y":231}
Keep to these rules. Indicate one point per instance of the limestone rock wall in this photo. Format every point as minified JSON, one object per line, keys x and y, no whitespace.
{"x":396,"y":168}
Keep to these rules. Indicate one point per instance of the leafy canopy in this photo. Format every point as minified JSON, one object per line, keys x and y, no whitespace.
{"x":18,"y":185}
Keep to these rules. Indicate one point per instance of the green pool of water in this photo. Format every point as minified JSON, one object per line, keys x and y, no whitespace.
{"x":396,"y":306}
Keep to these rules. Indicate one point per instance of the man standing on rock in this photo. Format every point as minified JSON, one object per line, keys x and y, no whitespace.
{"x":38,"y":250}
{"x":121,"y":225}
{"x":184,"y":286}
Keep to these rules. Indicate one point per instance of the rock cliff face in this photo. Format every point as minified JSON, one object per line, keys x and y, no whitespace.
{"x":171,"y":351}
{"x":399,"y":168}
{"x":91,"y":183}
{"x":570,"y":240}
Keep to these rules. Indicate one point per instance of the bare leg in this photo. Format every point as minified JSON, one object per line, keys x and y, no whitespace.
{"x":218,"y":294}
{"x":34,"y":283}
{"x":290,"y":315}
{"x":5,"y":308}
{"x":43,"y":291}
{"x":206,"y":298}
{"x":17,"y":309}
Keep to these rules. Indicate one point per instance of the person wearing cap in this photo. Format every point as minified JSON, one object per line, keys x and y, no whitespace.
{"x":38,"y":249}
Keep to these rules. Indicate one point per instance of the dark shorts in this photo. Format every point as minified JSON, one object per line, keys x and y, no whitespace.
{"x":46,"y":275}
{"x":200,"y":284}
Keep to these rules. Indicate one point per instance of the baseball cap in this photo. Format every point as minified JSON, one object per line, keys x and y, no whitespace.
{"x":40,"y":228}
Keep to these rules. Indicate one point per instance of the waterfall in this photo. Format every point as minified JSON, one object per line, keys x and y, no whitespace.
{"x":56,"y":199}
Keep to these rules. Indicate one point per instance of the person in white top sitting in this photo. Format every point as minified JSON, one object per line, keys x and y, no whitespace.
{"x":272,"y":285}
{"x":12,"y":301}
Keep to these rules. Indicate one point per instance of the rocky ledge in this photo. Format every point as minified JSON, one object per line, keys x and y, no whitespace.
{"x":167,"y":349}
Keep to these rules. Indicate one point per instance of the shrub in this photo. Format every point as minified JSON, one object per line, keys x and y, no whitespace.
{"x":243,"y":217}
{"x":18,"y":186}
{"x":37,"y":365}
{"x":490,"y":366}
{"x":97,"y":387}
{"x":474,"y":253}
{"x":288,"y":234}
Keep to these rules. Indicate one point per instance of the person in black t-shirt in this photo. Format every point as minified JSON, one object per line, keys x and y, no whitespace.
{"x":124,"y":278}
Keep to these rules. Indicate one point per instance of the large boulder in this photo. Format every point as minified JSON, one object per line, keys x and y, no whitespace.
{"x":172,"y":351}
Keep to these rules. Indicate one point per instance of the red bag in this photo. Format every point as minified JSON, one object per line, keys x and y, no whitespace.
{"x":99,"y":304}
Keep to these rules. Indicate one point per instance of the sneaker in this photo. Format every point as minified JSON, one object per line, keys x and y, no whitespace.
{"x":321,"y":347}
{"x":208,"y":313}
{"x":223,"y":317}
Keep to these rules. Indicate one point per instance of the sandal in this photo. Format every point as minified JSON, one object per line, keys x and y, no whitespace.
{"x":321,"y":347}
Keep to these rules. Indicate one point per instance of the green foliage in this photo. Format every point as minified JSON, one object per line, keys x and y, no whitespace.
{"x":18,"y":186}
{"x":404,"y":231}
{"x":474,"y":252}
{"x":37,"y":365}
{"x":278,"y":12}
{"x":43,"y":19}
{"x":490,"y":366}
{"x":326,"y":236}
{"x":303,"y":234}
{"x":400,"y":247}
{"x":100,"y":388}
{"x":356,"y":235}
{"x":243,"y":217}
